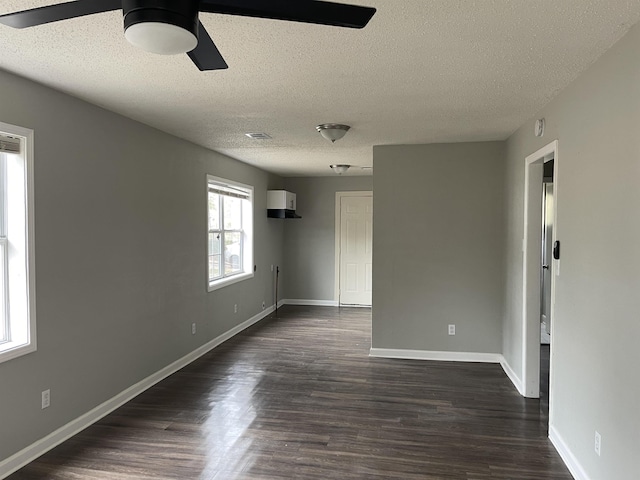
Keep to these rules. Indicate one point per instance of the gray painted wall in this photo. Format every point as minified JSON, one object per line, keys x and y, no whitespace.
{"x":438,"y":238}
{"x":309,"y":269}
{"x":596,"y":333}
{"x":120,"y":228}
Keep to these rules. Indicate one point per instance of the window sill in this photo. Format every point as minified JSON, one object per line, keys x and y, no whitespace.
{"x":217,"y":284}
{"x":11,"y":350}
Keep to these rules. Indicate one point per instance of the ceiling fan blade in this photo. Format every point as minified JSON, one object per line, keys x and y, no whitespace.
{"x":61,"y":11}
{"x":307,"y":11}
{"x":206,"y":55}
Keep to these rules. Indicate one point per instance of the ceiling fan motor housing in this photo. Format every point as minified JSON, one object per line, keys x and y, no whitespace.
{"x":182,"y":14}
{"x":171,"y":27}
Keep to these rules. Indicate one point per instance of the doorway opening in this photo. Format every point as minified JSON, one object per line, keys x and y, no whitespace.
{"x":548,"y":220}
{"x":540,"y":270}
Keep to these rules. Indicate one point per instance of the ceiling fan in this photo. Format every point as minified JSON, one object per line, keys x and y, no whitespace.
{"x":170,"y":27}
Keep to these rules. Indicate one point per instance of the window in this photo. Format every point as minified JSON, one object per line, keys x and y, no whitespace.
{"x":17,"y":274}
{"x":230,"y":235}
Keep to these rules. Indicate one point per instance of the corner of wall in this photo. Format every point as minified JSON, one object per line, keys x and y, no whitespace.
{"x":513,"y":376}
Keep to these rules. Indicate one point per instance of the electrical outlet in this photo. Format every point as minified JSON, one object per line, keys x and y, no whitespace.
{"x":264,"y":305}
{"x":193,"y":329}
{"x":46,"y":398}
{"x":452,"y":329}
{"x":235,"y":308}
{"x":598,"y":442}
{"x":272,"y":268}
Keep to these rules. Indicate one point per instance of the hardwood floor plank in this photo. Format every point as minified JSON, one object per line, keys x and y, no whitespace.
{"x":298,"y":397}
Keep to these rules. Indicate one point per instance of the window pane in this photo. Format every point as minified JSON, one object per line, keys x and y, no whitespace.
{"x":17,"y":295}
{"x":232,"y":213}
{"x":214,"y":211}
{"x":3,"y":195}
{"x":215,"y":243}
{"x":230,"y":231}
{"x":215,"y":250}
{"x":3,"y":291}
{"x":4,"y":321}
{"x":214,"y":267}
{"x":232,"y":252}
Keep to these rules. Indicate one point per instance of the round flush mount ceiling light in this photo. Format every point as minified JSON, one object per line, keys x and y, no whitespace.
{"x":333,"y":131}
{"x":340,"y":169}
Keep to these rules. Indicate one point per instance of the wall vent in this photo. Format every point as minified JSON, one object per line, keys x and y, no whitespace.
{"x":258,"y":136}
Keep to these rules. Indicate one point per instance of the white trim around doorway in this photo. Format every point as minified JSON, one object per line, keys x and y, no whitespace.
{"x":531,"y":261}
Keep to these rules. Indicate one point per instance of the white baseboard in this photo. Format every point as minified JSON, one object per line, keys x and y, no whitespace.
{"x":42,"y":446}
{"x":319,"y":303}
{"x":434,"y":355}
{"x":512,"y":375}
{"x":311,"y":303}
{"x":567,"y":456}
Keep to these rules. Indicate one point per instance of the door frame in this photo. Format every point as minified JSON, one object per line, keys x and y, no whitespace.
{"x":338,"y":217}
{"x":531,"y":265}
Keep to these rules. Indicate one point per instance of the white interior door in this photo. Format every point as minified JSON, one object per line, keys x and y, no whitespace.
{"x":356,"y":246}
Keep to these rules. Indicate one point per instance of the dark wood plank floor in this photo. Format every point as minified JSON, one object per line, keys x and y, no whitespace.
{"x":545,"y":358}
{"x":297,"y":397}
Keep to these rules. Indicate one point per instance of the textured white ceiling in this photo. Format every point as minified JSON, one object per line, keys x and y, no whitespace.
{"x":420,"y":72}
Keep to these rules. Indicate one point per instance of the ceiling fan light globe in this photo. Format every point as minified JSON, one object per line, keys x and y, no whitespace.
{"x":161,"y":38}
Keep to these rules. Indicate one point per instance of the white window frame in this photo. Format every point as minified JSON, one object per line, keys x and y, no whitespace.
{"x":17,"y":231}
{"x":246,"y":232}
